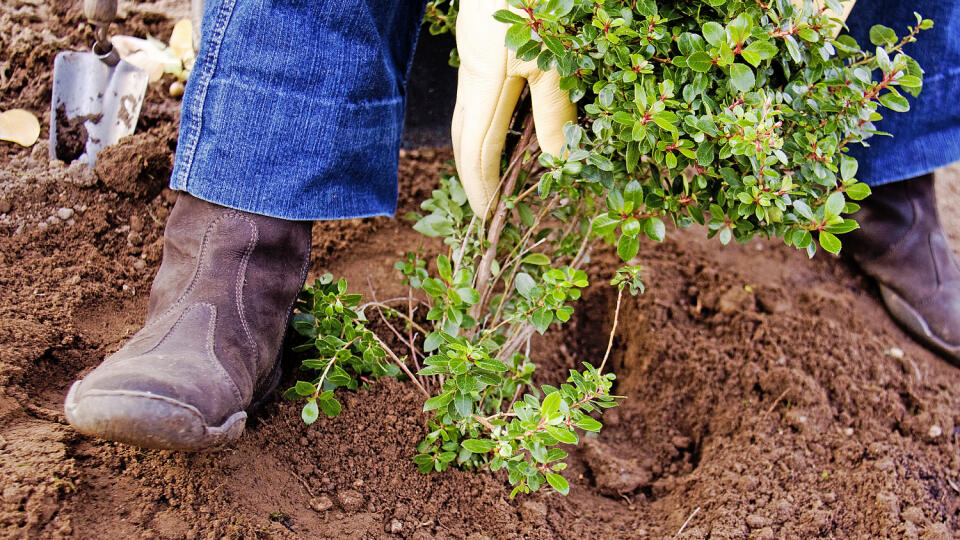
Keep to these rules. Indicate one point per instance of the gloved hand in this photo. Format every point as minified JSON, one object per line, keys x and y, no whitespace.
{"x":489,"y":84}
{"x":490,"y":81}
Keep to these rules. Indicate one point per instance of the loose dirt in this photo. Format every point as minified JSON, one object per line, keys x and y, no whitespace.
{"x":767,"y":395}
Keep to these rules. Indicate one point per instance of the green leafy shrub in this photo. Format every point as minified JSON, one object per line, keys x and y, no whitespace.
{"x":731,"y":114}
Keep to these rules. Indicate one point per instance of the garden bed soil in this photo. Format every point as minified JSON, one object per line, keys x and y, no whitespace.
{"x":767,"y":395}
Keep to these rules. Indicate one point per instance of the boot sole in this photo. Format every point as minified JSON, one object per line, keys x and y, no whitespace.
{"x":148,"y":420}
{"x":913,"y":321}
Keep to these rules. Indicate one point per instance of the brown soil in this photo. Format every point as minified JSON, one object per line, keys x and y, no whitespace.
{"x":71,"y":136}
{"x":768,"y":396}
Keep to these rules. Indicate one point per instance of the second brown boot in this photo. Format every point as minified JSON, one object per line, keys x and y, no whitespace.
{"x":901,"y":245}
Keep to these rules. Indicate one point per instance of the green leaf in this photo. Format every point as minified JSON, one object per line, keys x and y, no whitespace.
{"x":631,"y":227}
{"x":646,"y":8}
{"x":604,"y":224}
{"x":331,"y":407}
{"x":627,"y":247}
{"x":848,"y":167}
{"x":310,"y":412}
{"x":882,"y":36}
{"x":541,"y":319}
{"x":809,"y":34}
{"x":538,"y":259}
{"x":304,"y":388}
{"x":558,"y":483}
{"x":751,"y":57}
{"x":714,"y":33}
{"x":895,"y":102}
{"x":587,"y":423}
{"x":562,"y":434}
{"x":763,"y":50}
{"x":858,"y":191}
{"x":469,"y":295}
{"x":479,"y":446}
{"x":559,"y":8}
{"x":437,"y":402}
{"x":700,"y":61}
{"x":739,"y":29}
{"x":742,"y":77}
{"x":432,"y":341}
{"x":910,"y":81}
{"x":524,"y":284}
{"x":463,"y":404}
{"x":550,"y":405}
{"x":424,"y":462}
{"x":665,"y":119}
{"x":705,"y":154}
{"x":509,"y":17}
{"x":834,"y":205}
{"x":517,"y":35}
{"x":444,"y":268}
{"x":829,"y":242}
{"x":803,"y":209}
{"x":655,"y":229}
{"x":434,"y":225}
{"x":633,"y":192}
{"x":553,"y":44}
{"x":793,"y":48}
{"x":843,"y":228}
{"x":434,"y":287}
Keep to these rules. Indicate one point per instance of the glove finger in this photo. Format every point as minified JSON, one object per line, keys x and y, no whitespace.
{"x":552,"y":109}
{"x":480,"y":122}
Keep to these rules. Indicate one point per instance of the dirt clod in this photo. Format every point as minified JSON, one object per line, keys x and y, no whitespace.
{"x":612,"y":473}
{"x":534,"y":512}
{"x":140,"y":164}
{"x":321,"y":503}
{"x":71,"y":135}
{"x":350,"y":500}
{"x":756,"y":522}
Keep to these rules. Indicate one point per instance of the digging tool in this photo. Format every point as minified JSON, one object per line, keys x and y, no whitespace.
{"x":96,"y":95}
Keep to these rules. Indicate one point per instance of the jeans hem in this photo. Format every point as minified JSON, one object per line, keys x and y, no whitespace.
{"x":190,"y":130}
{"x":359,"y":212}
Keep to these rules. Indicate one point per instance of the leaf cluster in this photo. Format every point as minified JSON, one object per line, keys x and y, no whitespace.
{"x":731,"y":113}
{"x":345,"y":350}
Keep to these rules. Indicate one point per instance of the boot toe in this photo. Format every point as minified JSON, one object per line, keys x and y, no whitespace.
{"x":147,"y":420}
{"x":936,"y":325}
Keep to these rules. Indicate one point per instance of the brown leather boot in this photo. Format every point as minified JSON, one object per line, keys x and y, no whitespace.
{"x":210,"y":347}
{"x":901,"y":245}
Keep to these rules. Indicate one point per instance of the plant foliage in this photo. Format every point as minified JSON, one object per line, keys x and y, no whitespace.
{"x":733,"y":114}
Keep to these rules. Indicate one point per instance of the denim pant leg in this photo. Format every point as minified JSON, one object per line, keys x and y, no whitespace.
{"x":928,"y":136}
{"x":295,"y":108}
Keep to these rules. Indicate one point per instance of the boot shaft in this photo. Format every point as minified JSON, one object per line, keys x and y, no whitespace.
{"x":228,"y":258}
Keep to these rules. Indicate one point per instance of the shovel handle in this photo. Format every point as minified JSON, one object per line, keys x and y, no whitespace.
{"x":100,"y":12}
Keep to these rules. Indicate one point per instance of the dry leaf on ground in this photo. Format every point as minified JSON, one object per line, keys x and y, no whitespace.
{"x":19,"y":126}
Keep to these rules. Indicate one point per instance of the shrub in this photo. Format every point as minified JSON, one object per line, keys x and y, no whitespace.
{"x":733,"y":114}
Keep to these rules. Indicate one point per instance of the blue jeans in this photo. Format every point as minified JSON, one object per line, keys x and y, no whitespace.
{"x":928,"y":136}
{"x":295,"y":107}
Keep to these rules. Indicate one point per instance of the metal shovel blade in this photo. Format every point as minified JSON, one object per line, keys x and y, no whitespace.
{"x":93,"y":106}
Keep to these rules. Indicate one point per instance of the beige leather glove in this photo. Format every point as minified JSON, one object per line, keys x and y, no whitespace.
{"x":489,"y":84}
